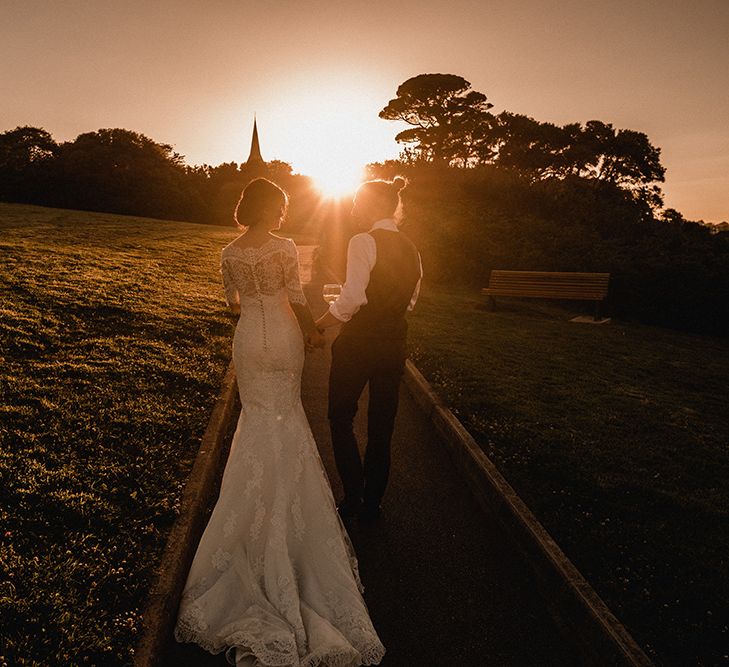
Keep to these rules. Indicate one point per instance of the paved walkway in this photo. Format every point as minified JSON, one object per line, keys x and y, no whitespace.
{"x":442,"y":586}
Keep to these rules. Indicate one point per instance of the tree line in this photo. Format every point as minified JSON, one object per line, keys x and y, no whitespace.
{"x":121,"y":171}
{"x":487,"y":191}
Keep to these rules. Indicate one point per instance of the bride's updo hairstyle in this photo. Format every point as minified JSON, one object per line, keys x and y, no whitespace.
{"x":261,"y":203}
{"x":381,"y":198}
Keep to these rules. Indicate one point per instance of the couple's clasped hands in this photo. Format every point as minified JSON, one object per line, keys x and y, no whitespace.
{"x":314,"y":339}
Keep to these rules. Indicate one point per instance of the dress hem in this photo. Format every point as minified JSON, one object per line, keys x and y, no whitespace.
{"x":370,"y":655}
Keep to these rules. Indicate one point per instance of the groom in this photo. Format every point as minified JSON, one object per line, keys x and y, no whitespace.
{"x":383,"y":280}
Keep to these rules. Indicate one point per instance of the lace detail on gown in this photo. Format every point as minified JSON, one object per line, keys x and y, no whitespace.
{"x":275,"y":579}
{"x":261,"y":271}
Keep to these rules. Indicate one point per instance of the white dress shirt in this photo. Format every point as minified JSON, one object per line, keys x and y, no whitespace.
{"x":361,"y":258}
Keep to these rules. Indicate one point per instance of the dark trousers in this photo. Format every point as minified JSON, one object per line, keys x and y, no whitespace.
{"x":356,"y":362}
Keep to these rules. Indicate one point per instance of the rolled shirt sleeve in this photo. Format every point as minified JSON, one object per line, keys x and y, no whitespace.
{"x":416,"y":291}
{"x":361,"y":258}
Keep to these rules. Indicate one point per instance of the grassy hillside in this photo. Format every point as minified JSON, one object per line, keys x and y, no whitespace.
{"x":616,"y":437}
{"x":113,"y":342}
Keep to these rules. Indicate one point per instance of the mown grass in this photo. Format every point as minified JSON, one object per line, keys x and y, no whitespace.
{"x":617,"y":437}
{"x":113,"y":341}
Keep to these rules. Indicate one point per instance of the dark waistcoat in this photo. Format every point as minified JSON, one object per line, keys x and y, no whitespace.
{"x":392,"y":281}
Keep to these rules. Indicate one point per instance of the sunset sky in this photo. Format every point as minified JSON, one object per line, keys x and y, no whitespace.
{"x":316,"y":73}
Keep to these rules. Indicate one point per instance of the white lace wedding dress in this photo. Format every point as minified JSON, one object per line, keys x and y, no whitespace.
{"x":275,"y":579}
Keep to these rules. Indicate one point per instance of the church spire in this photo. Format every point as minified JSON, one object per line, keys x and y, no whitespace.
{"x":255,"y":155}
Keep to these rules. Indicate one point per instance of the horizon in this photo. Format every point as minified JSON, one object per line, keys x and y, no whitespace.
{"x":194,"y":77}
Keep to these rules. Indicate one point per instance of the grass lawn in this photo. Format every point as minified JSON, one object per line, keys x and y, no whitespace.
{"x":113,"y":342}
{"x":617,"y":437}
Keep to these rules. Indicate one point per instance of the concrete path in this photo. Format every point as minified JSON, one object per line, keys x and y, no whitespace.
{"x":442,"y":586}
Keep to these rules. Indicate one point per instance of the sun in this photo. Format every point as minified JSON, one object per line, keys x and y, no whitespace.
{"x":325,"y":124}
{"x":334,"y":180}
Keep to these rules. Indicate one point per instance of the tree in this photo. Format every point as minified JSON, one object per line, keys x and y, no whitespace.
{"x":534,"y":149}
{"x":121,"y":171}
{"x":595,"y":152}
{"x":450,"y":123}
{"x":26,"y":159}
{"x":623,"y":157}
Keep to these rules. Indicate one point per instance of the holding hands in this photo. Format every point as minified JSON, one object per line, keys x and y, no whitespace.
{"x":314,"y":330}
{"x":314,"y":339}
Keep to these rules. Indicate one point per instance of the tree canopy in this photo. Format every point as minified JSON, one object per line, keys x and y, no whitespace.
{"x":452,"y":124}
{"x":122,"y":171}
{"x":26,"y":154}
{"x":448,"y":119}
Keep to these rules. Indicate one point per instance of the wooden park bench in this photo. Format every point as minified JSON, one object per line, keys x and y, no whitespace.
{"x":548,"y":285}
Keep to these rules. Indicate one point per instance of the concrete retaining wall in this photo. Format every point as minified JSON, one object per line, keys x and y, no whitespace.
{"x":580,"y":613}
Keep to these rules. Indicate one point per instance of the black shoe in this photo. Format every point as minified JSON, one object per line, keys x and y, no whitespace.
{"x":368,"y":512}
{"x":348,"y":508}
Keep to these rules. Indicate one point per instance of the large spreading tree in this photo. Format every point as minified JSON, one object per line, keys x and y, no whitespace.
{"x":449,"y":121}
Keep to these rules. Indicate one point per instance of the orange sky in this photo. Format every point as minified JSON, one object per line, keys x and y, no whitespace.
{"x":317,"y":72}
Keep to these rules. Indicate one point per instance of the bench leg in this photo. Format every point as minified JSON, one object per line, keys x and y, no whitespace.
{"x":597,"y":310}
{"x":490,"y":303}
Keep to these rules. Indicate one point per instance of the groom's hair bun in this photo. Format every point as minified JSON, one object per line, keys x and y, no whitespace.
{"x":385,"y":195}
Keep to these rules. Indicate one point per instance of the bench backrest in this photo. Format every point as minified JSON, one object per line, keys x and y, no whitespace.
{"x":548,"y":284}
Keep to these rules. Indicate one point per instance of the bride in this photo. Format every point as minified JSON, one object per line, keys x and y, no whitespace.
{"x":274,"y":580}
